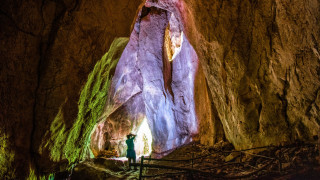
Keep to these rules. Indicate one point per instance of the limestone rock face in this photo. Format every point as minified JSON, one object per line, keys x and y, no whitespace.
{"x":261,"y":60}
{"x":154,"y":79}
{"x":47,"y":50}
{"x":210,"y":127}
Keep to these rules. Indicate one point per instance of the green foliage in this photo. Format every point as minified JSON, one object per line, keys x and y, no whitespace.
{"x":6,"y":158}
{"x":92,"y":102}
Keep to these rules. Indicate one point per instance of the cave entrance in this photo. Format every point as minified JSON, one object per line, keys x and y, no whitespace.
{"x":143,"y":141}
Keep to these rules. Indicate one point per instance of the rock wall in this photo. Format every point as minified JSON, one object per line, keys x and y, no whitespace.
{"x":261,"y":60}
{"x":48,"y":48}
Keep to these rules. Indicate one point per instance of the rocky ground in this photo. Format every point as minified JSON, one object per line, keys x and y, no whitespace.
{"x":298,"y":161}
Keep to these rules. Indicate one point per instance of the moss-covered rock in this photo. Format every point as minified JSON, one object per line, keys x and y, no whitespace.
{"x":6,"y":158}
{"x":92,"y":100}
{"x":72,"y":144}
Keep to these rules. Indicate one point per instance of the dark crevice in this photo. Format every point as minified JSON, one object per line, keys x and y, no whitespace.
{"x":285,"y":101}
{"x":44,"y":48}
{"x":167,"y":65}
{"x":273,"y":29}
{"x":259,"y":111}
{"x":144,"y":12}
{"x":315,"y":42}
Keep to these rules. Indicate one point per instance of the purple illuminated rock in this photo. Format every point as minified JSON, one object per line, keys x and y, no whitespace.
{"x":171,"y":116}
{"x":147,"y":84}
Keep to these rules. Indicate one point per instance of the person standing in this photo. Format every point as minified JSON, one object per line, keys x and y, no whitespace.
{"x":131,"y":154}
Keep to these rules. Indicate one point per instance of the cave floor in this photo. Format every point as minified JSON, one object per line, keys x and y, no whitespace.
{"x":297,"y":163}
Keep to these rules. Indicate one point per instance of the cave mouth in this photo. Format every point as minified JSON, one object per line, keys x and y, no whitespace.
{"x":143,"y":140}
{"x":152,"y":90}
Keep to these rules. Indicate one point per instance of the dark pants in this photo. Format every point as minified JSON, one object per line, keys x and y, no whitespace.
{"x":134,"y":161}
{"x":131,"y":155}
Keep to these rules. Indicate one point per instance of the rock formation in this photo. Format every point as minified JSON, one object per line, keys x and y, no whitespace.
{"x":259,"y":85}
{"x":154,"y":79}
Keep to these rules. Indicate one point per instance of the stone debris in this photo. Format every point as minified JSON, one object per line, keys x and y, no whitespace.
{"x":108,"y":153}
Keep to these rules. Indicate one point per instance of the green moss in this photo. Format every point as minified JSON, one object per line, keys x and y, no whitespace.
{"x":92,"y":102}
{"x":73,"y":144}
{"x":57,"y":137}
{"x":33,"y":176}
{"x":6,"y":158}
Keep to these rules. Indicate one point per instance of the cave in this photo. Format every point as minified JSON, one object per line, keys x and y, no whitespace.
{"x":217,"y":86}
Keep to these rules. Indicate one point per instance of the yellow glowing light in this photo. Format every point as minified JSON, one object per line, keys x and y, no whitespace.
{"x":172,"y":43}
{"x":143,"y":140}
